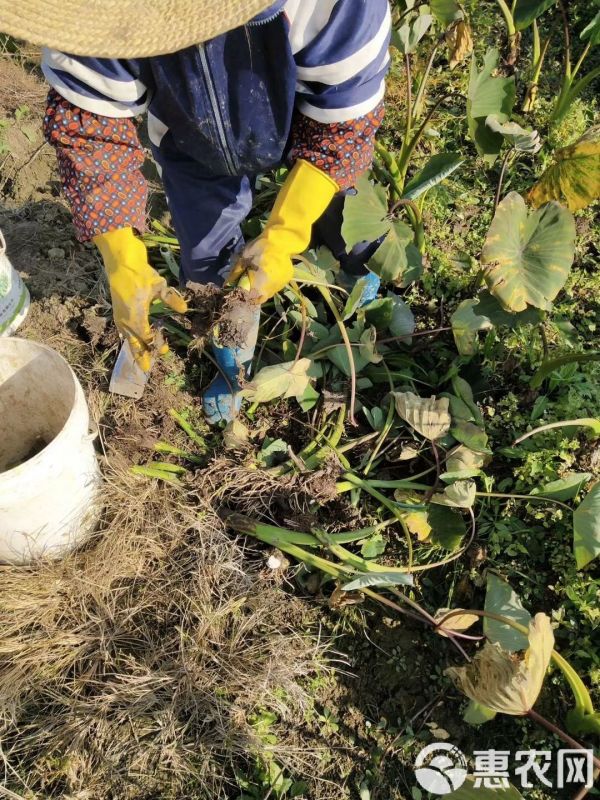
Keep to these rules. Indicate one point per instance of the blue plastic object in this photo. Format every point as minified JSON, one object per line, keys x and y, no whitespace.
{"x":221,"y":401}
{"x":372,"y":283}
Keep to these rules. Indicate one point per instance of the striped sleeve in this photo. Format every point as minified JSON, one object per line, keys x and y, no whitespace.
{"x":105,"y":86}
{"x":341,"y":53}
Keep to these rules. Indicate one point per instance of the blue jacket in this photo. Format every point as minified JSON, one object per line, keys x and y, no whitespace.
{"x":221,"y":112}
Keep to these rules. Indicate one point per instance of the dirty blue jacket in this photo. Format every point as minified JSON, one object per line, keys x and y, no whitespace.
{"x":219,"y":114}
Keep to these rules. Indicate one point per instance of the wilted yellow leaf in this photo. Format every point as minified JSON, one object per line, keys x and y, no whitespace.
{"x":288,"y":379}
{"x":509,"y":683}
{"x":415,"y":521}
{"x":574,"y":178}
{"x":236,"y":436}
{"x":459,"y":41}
{"x":459,"y":622}
{"x":429,"y":416}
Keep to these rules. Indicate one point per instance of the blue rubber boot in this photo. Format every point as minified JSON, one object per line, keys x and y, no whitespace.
{"x":221,"y":400}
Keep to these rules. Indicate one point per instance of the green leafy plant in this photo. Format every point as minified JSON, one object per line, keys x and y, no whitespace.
{"x":574,"y":177}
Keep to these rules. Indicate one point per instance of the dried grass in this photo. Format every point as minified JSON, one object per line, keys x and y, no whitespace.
{"x":128,"y":669}
{"x":19,"y":86}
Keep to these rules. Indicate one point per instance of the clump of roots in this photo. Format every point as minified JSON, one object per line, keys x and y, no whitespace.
{"x":133,"y":664}
{"x":298,"y":499}
{"x":231,"y":311}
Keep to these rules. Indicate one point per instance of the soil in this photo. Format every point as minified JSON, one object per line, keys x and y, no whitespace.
{"x":232,"y":312}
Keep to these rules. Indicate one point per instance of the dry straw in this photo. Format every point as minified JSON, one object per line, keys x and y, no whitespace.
{"x":123,"y":28}
{"x":133,"y":665}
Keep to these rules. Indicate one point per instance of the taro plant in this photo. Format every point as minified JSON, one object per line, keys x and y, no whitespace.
{"x":572,"y":86}
{"x":574,"y":177}
{"x":447,"y":20}
{"x":391,"y":420}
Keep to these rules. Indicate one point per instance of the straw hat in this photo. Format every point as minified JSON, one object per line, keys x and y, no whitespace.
{"x":123,"y":28}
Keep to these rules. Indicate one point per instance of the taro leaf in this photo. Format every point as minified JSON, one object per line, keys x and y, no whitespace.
{"x":592,"y":31}
{"x":459,"y":410}
{"x":574,"y":177}
{"x":435,"y":171}
{"x":325,"y":260}
{"x":447,"y":526}
{"x":464,"y":392}
{"x":496,"y":679}
{"x":366,"y":220}
{"x":488,"y":95}
{"x":466,"y":323}
{"x":460,"y":494}
{"x":525,"y":141}
{"x":288,"y":379}
{"x":500,"y":598}
{"x":414,"y":266}
{"x":586,"y":528}
{"x":488,"y":306}
{"x":407,"y":453}
{"x":288,"y":350}
{"x":338,"y":356}
{"x":379,"y":312}
{"x":429,"y":416}
{"x":460,"y":622}
{"x":379,"y":579}
{"x":415,"y":521}
{"x":355,"y":299}
{"x":272,"y":452}
{"x":476,"y":714}
{"x":564,"y":489}
{"x":460,"y":42}
{"x":403,"y":320}
{"x":463,"y":463}
{"x":527,"y":259}
{"x":470,"y":791}
{"x":373,"y":546}
{"x":367,"y":346}
{"x":236,"y":436}
{"x":407,"y":36}
{"x":471,"y":435}
{"x":310,"y":274}
{"x":397,"y":260}
{"x":528,"y":10}
{"x":309,"y":398}
{"x":375,"y":417}
{"x":365,"y":213}
{"x":445,"y":11}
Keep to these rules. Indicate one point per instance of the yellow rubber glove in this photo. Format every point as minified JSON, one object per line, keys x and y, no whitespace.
{"x":267,"y":261}
{"x":134,"y":285}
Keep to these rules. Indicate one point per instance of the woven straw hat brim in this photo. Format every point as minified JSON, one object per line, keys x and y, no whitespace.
{"x":123,"y":28}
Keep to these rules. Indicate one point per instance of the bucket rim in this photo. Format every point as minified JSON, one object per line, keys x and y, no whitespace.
{"x":75,"y":409}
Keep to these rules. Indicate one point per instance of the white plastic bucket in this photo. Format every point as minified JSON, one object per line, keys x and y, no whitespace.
{"x":49,"y":473}
{"x":14,"y":295}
